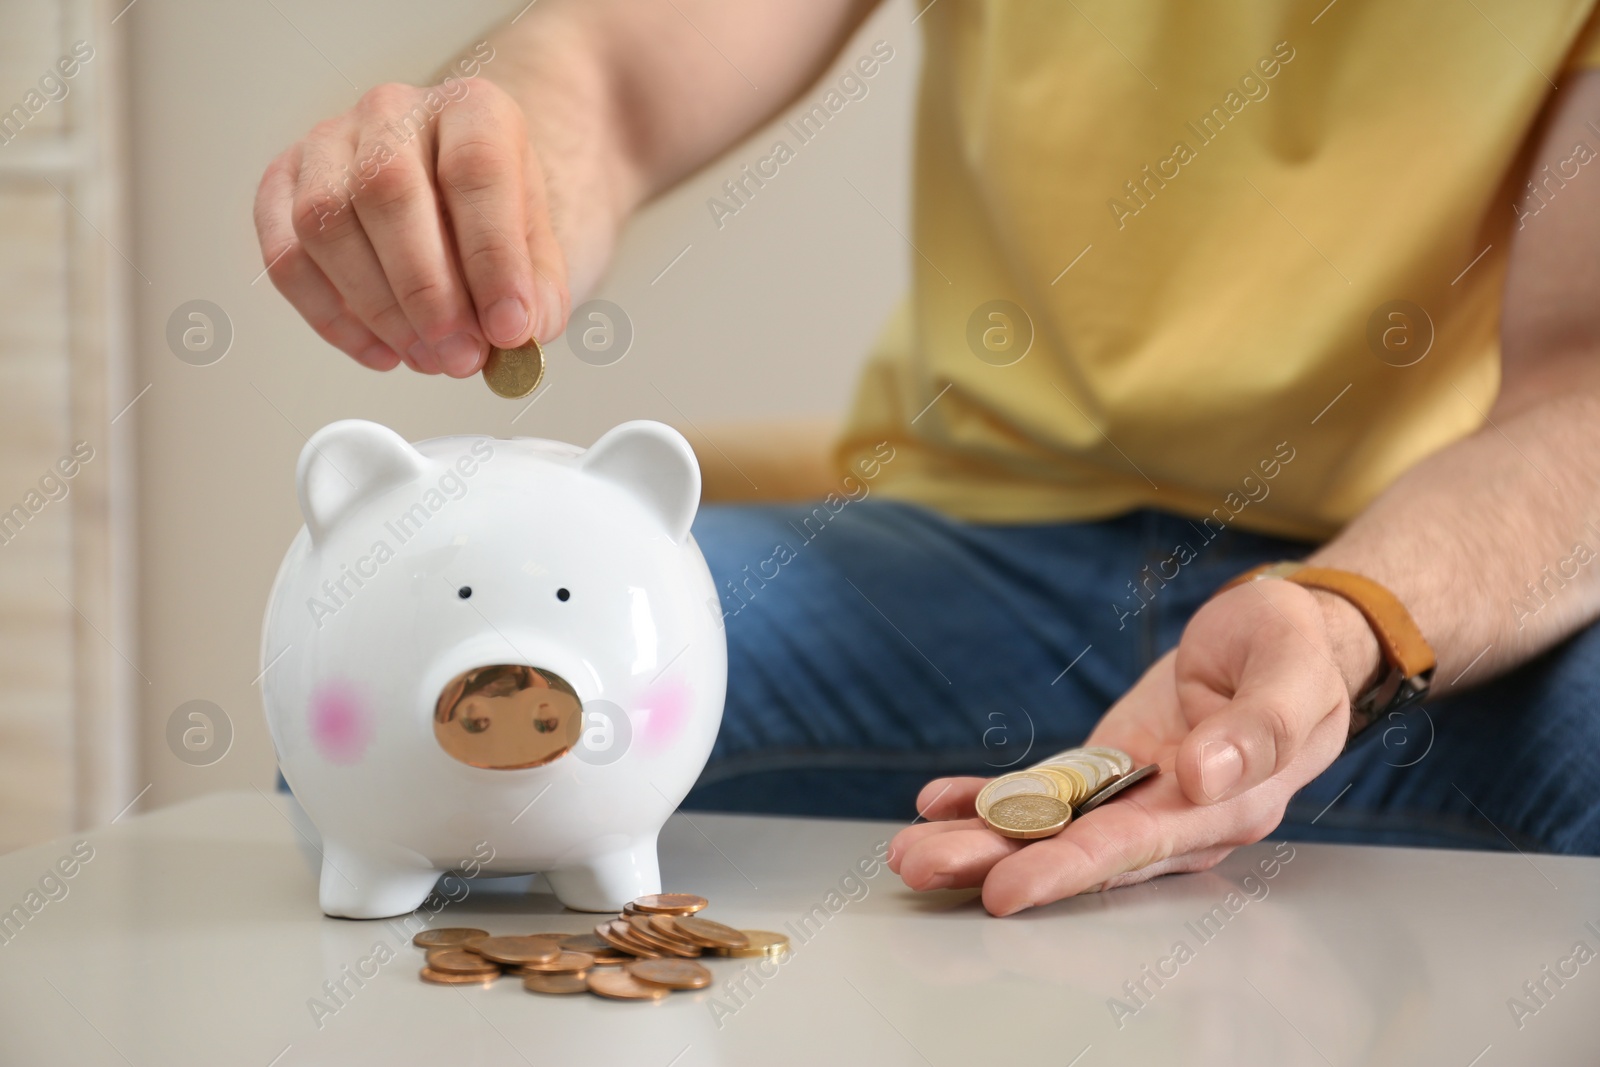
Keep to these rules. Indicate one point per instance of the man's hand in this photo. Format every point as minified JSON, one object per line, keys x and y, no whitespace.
{"x":1251,"y":706}
{"x":414,"y":227}
{"x":422,"y":225}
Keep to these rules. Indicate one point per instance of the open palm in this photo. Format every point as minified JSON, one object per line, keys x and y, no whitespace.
{"x":1246,"y":711}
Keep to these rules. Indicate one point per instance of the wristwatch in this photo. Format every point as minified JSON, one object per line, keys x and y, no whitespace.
{"x":1409,"y":657}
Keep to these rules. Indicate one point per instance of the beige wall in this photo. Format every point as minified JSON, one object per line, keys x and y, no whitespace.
{"x":767,"y":316}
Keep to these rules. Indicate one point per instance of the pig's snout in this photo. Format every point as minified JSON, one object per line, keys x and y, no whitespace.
{"x":507,"y":716}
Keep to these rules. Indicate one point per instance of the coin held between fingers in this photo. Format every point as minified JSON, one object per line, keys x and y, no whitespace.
{"x":514,"y":372}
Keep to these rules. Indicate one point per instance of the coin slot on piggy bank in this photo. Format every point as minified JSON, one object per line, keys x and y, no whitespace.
{"x":507,"y":717}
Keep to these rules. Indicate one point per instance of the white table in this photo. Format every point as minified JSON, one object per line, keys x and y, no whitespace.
{"x":193,"y":937}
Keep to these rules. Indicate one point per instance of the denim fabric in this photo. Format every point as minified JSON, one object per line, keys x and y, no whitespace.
{"x":874,"y":648}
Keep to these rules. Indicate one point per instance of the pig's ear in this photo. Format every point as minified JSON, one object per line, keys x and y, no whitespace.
{"x":654,"y":463}
{"x":346,"y":463}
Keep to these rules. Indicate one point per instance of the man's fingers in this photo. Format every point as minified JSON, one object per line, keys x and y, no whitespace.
{"x":1244,"y":745}
{"x":1080,"y":858}
{"x":481,"y":148}
{"x":1110,"y":841}
{"x":941,"y":801}
{"x":399,"y":211}
{"x":949,"y":798}
{"x":958,"y":856}
{"x":549,"y":261}
{"x":912,"y":836}
{"x":1282,"y":686}
{"x":1202,"y":860}
{"x":300,"y":280}
{"x":326,"y":223}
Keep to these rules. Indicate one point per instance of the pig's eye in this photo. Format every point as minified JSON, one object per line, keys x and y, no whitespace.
{"x":562,"y":595}
{"x":464,"y":592}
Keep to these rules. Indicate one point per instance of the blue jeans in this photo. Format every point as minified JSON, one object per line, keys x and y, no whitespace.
{"x":872,"y":649}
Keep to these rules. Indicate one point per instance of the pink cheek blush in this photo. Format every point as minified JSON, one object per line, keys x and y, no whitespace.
{"x":341,"y":728}
{"x":665,"y":708}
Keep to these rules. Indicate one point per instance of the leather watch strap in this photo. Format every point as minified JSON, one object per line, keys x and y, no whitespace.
{"x":1409,"y":656}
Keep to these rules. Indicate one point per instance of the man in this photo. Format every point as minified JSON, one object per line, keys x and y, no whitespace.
{"x":1197,"y":288}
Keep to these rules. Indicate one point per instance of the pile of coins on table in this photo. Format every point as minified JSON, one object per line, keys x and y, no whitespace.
{"x":643,"y":954}
{"x":1041,"y":800}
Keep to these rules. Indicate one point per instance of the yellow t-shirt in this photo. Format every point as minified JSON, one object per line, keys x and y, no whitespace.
{"x":1198,"y":217}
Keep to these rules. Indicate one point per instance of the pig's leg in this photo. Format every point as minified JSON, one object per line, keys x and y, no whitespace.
{"x":365,"y":885}
{"x":608,"y":881}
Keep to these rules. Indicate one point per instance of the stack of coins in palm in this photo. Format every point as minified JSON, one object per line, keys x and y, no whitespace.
{"x":643,"y":954}
{"x":1040,"y":800}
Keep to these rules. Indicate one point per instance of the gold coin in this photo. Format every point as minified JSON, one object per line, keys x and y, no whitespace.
{"x":514,"y":372}
{"x":710,"y":934}
{"x":428,"y":974}
{"x":584,"y":943}
{"x":639,"y":926}
{"x":566,"y":963}
{"x":671,"y":903}
{"x":674,"y":974}
{"x":460,"y":961}
{"x":555,"y":983}
{"x":620,"y":985}
{"x":1010,"y":785}
{"x":665,"y":927}
{"x":515,"y":951}
{"x":1097,"y":769}
{"x":637,"y":944}
{"x":1072,"y":785}
{"x":611,"y":937}
{"x":1027,"y":816}
{"x":757,"y":943}
{"x":619,"y":935}
{"x":447,"y":936}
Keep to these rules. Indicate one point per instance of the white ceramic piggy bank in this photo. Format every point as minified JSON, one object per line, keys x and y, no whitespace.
{"x":487,"y":641}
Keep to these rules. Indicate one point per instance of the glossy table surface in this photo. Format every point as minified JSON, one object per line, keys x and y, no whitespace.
{"x":192,"y":936}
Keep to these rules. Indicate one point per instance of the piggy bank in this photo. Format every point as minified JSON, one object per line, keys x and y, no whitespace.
{"x":502,"y":651}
